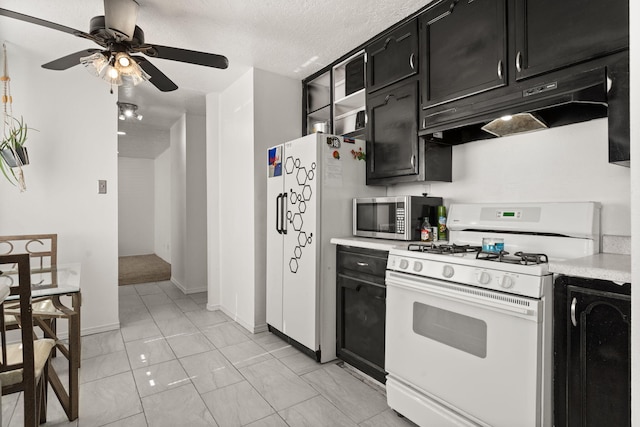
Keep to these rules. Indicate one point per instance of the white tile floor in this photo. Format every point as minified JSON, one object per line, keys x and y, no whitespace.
{"x":173,"y":363}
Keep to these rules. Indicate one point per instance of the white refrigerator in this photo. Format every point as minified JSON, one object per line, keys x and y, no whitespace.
{"x":311,"y":182}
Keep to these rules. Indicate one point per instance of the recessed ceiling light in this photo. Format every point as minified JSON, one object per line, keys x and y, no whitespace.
{"x":121,"y":132}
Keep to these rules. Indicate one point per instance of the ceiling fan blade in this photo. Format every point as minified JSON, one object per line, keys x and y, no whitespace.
{"x":188,"y":56}
{"x":42,"y":22}
{"x":158,"y":79}
{"x":69,"y":60}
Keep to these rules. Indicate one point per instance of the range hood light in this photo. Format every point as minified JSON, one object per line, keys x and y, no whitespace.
{"x":517,"y":123}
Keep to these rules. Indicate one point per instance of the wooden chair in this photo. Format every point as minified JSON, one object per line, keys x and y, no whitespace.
{"x":24,"y":365}
{"x":43,"y":250}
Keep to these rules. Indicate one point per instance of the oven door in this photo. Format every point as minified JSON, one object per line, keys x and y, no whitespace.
{"x":464,"y":351}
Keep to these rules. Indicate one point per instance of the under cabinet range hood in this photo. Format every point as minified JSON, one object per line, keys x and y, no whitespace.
{"x":561,"y":99}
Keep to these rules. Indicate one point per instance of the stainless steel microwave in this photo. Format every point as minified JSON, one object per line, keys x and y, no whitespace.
{"x":395,"y":217}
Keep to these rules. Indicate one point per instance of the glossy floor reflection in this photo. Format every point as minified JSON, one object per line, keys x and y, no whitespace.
{"x":173,"y":363}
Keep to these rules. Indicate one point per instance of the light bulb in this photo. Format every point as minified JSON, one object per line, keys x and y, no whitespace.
{"x":128,"y":113}
{"x":121,"y":116}
{"x":124,"y":60}
{"x":112,"y":73}
{"x":506,"y":118}
{"x":139,"y":116}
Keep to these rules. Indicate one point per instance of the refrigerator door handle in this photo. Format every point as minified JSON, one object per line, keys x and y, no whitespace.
{"x":278,"y":220}
{"x":283,"y":213}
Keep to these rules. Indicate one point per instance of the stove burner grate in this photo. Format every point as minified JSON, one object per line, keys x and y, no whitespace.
{"x":444,"y":249}
{"x":519,"y":257}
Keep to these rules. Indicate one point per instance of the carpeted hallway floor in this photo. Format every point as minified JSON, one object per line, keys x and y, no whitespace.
{"x":142,"y":269}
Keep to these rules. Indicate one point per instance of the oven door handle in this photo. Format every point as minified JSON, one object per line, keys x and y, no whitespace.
{"x":490,"y":300}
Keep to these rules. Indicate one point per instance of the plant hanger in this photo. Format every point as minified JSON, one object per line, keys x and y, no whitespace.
{"x":13,"y":154}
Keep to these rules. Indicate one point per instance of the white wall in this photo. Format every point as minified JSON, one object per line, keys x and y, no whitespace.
{"x":188,"y":204}
{"x":135,"y":206}
{"x":196,"y":205}
{"x":213,"y":200}
{"x":635,"y":209}
{"x":277,"y":103}
{"x":75,"y":147}
{"x":162,"y":205}
{"x":237,"y":230}
{"x":178,"y":158}
{"x":568,"y":163}
{"x":257,"y":111}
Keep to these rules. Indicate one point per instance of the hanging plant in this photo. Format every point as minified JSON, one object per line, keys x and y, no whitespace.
{"x":13,"y":153}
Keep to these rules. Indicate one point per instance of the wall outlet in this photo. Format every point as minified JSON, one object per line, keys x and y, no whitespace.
{"x":102,"y":186}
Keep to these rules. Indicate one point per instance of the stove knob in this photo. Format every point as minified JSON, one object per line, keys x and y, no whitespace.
{"x":417,"y":266}
{"x":404,"y":264}
{"x":447,"y":271}
{"x":483,"y":277}
{"x":507,"y":282}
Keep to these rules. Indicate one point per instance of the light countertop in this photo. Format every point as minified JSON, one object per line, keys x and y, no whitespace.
{"x":371,"y":243}
{"x":613,"y":267}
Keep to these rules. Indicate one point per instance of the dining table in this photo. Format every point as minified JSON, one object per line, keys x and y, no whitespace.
{"x":55,"y":293}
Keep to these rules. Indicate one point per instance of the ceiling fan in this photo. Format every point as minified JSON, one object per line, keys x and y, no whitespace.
{"x":119,"y":37}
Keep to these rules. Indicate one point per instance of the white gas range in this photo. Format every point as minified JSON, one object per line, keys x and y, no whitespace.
{"x":468,"y":335}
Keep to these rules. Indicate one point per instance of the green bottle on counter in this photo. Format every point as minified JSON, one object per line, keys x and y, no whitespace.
{"x":442,"y":223}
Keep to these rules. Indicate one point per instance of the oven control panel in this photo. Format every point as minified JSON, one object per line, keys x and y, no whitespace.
{"x":456,"y":271}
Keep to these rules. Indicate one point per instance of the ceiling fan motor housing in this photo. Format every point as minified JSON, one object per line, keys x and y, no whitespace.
{"x":98,"y":29}
{"x":121,"y":17}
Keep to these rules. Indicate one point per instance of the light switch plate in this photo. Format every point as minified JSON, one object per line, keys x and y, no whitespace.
{"x":102,"y":186}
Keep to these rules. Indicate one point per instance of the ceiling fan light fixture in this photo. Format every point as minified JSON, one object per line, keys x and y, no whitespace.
{"x":95,"y":63}
{"x":132,"y":74}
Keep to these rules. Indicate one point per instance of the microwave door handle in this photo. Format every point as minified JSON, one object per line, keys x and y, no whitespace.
{"x":278,"y":229}
{"x":283,"y":211}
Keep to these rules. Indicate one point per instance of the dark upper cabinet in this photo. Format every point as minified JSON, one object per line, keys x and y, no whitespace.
{"x":463,"y":49}
{"x":592,"y":378}
{"x":392,"y":142}
{"x":393,"y":57}
{"x":395,"y":153}
{"x":553,"y":34}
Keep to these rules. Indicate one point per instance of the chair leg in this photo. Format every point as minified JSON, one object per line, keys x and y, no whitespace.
{"x":43,"y":386}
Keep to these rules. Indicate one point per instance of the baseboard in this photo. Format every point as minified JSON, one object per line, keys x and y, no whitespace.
{"x":185,"y":290}
{"x":213,"y":307}
{"x":97,"y":329}
{"x":251,"y":328}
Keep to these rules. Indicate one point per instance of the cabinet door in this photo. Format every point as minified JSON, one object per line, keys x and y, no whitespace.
{"x":361,"y":324}
{"x":463,"y":49}
{"x":393,"y":57}
{"x":392,"y":144}
{"x":554,"y":34}
{"x":599,"y":380}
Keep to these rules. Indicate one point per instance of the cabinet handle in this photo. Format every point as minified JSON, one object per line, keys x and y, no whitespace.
{"x":519,"y":61}
{"x":413,"y":161}
{"x":411,"y":64}
{"x":362,"y":264}
{"x":388,"y":97}
{"x":500,"y":69}
{"x":573,"y":312}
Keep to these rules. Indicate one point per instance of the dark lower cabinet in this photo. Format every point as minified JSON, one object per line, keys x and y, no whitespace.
{"x":361,"y":309}
{"x":592,"y":353}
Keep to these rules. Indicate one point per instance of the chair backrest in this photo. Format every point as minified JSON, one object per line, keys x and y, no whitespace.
{"x":43,"y":248}
{"x":23,"y":291}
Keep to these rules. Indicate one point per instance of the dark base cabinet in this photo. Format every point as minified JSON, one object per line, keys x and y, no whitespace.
{"x":592,"y":353}
{"x":361,"y":306}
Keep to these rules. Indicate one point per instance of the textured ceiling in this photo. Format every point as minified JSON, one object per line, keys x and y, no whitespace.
{"x":290,"y":37}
